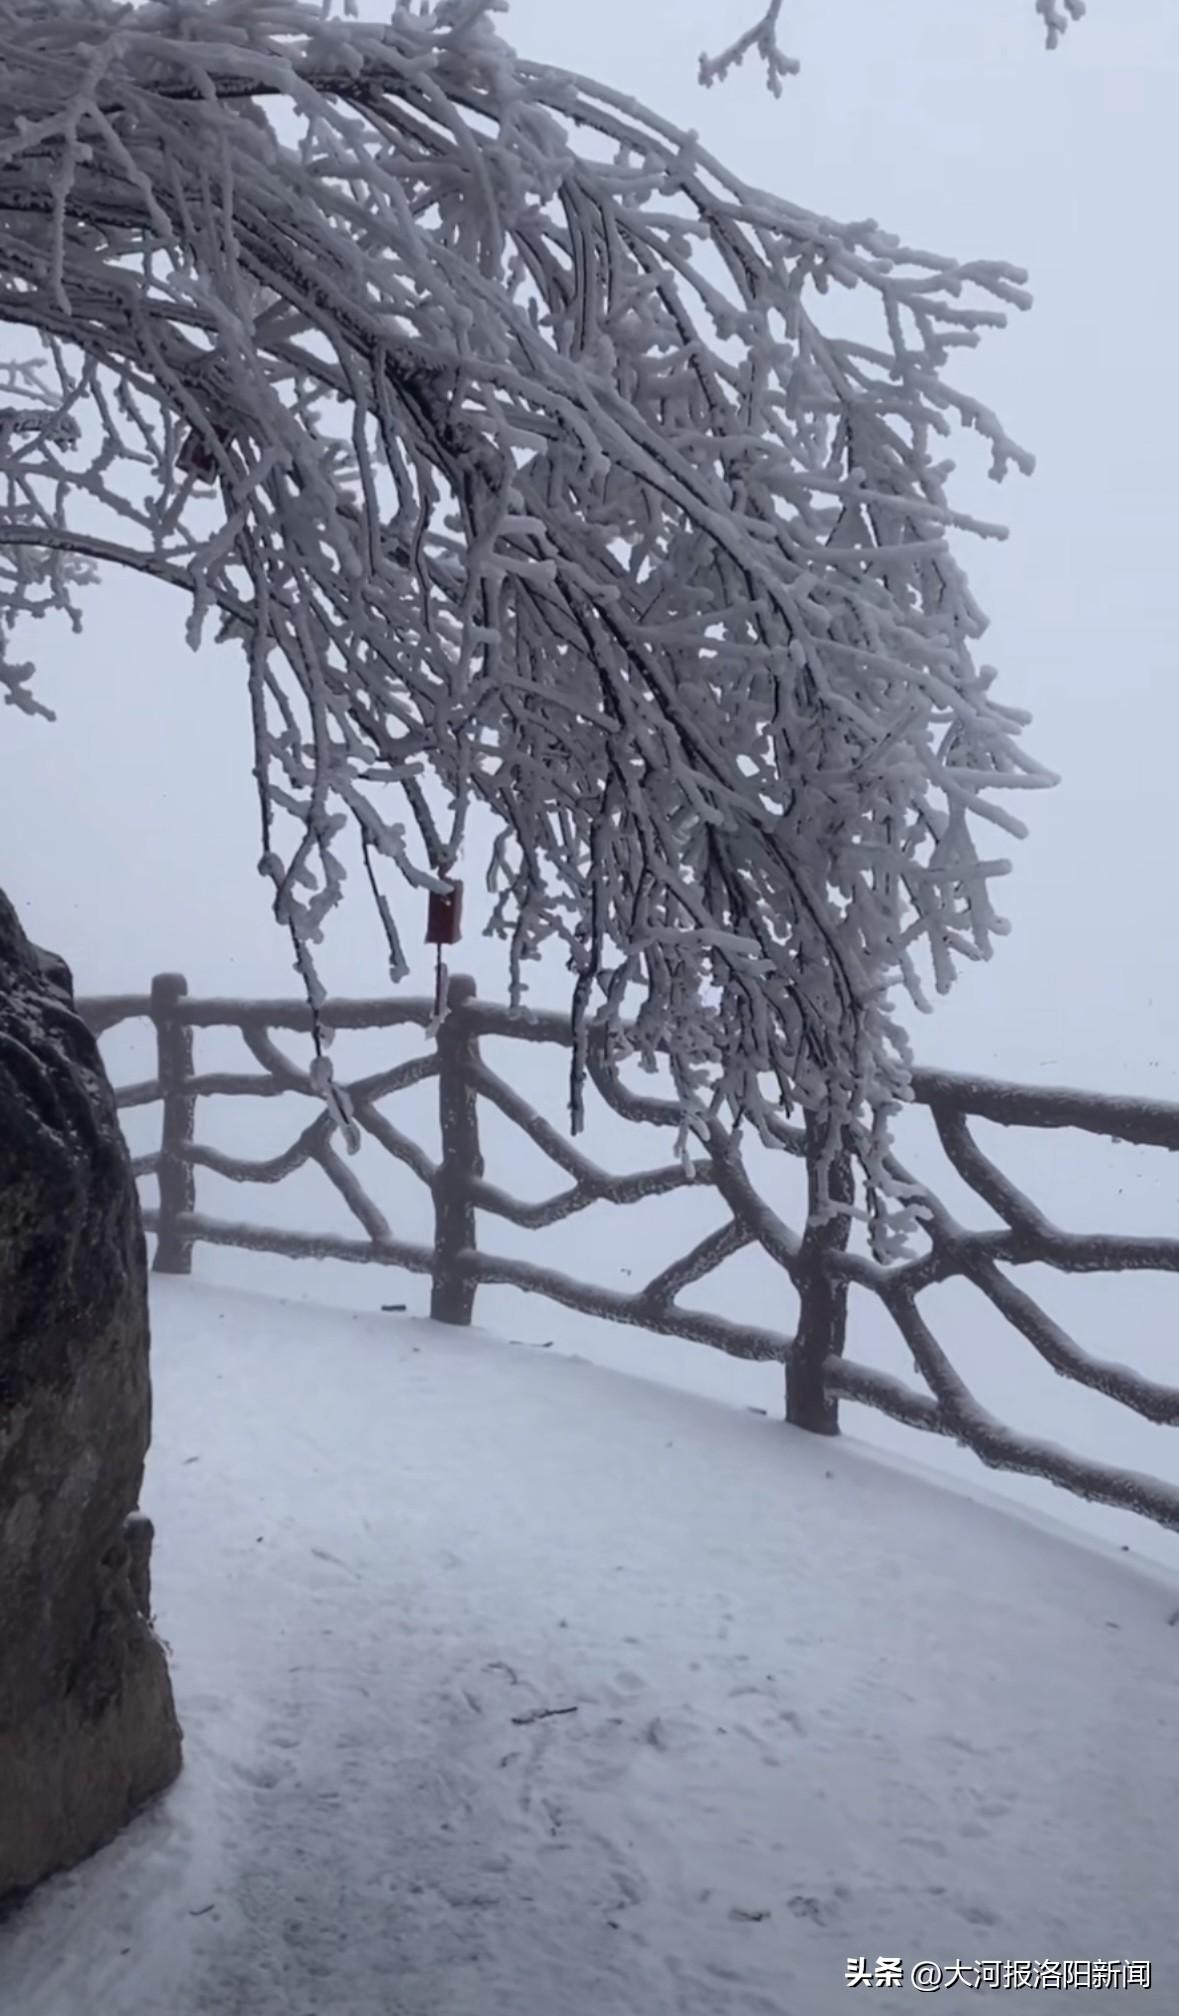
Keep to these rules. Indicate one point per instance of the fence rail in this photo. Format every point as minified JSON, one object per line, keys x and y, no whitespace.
{"x":817,"y":1259}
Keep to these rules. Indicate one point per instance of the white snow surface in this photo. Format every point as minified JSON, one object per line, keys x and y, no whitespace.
{"x":819,"y":1708}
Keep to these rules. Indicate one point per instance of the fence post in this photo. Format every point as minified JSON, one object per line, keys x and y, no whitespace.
{"x":177,"y":1178}
{"x":822,"y":1311}
{"x":452,"y":1295}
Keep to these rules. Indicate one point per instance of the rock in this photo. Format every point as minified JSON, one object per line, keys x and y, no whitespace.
{"x":88,"y":1729}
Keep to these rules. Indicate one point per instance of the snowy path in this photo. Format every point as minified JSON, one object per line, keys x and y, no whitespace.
{"x":818,"y":1708}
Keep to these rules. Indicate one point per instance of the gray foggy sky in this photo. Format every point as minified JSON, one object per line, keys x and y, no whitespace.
{"x":127,"y":830}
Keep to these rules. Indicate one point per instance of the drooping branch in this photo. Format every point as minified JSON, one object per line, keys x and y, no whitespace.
{"x":760,"y":39}
{"x":492,"y":418}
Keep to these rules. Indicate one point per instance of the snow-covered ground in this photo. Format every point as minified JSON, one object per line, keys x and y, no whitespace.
{"x":515,"y":1684}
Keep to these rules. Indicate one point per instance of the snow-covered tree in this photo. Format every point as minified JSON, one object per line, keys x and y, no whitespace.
{"x":495,"y":421}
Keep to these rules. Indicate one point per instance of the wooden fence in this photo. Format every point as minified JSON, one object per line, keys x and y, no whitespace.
{"x":818,"y":1258}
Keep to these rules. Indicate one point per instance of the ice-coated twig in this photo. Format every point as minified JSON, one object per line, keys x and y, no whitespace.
{"x":494,"y":423}
{"x":760,"y":39}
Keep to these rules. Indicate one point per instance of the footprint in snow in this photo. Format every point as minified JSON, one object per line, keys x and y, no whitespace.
{"x":979,"y":1914}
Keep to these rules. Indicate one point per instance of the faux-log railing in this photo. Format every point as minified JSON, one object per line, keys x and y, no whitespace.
{"x":818,"y":1260}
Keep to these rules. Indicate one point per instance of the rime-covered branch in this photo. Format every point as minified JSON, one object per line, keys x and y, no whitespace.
{"x":760,"y":39}
{"x":494,"y":422}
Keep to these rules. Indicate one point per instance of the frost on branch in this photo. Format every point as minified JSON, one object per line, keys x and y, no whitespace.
{"x":493,"y":419}
{"x":761,"y":40}
{"x":1056,"y":15}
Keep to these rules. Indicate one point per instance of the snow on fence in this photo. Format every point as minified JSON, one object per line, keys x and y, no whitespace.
{"x":819,"y":1261}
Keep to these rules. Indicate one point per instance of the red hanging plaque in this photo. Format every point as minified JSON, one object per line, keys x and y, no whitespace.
{"x":444,"y":917}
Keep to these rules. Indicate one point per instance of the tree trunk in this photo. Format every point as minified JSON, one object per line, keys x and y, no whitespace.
{"x":88,"y":1729}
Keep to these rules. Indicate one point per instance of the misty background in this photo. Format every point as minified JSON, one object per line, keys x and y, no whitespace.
{"x":128,"y":829}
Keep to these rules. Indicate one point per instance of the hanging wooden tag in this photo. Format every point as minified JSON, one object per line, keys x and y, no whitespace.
{"x":196,"y":457}
{"x":444,"y":916}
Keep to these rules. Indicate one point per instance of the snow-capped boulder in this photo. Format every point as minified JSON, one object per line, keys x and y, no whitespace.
{"x":88,"y":1729}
